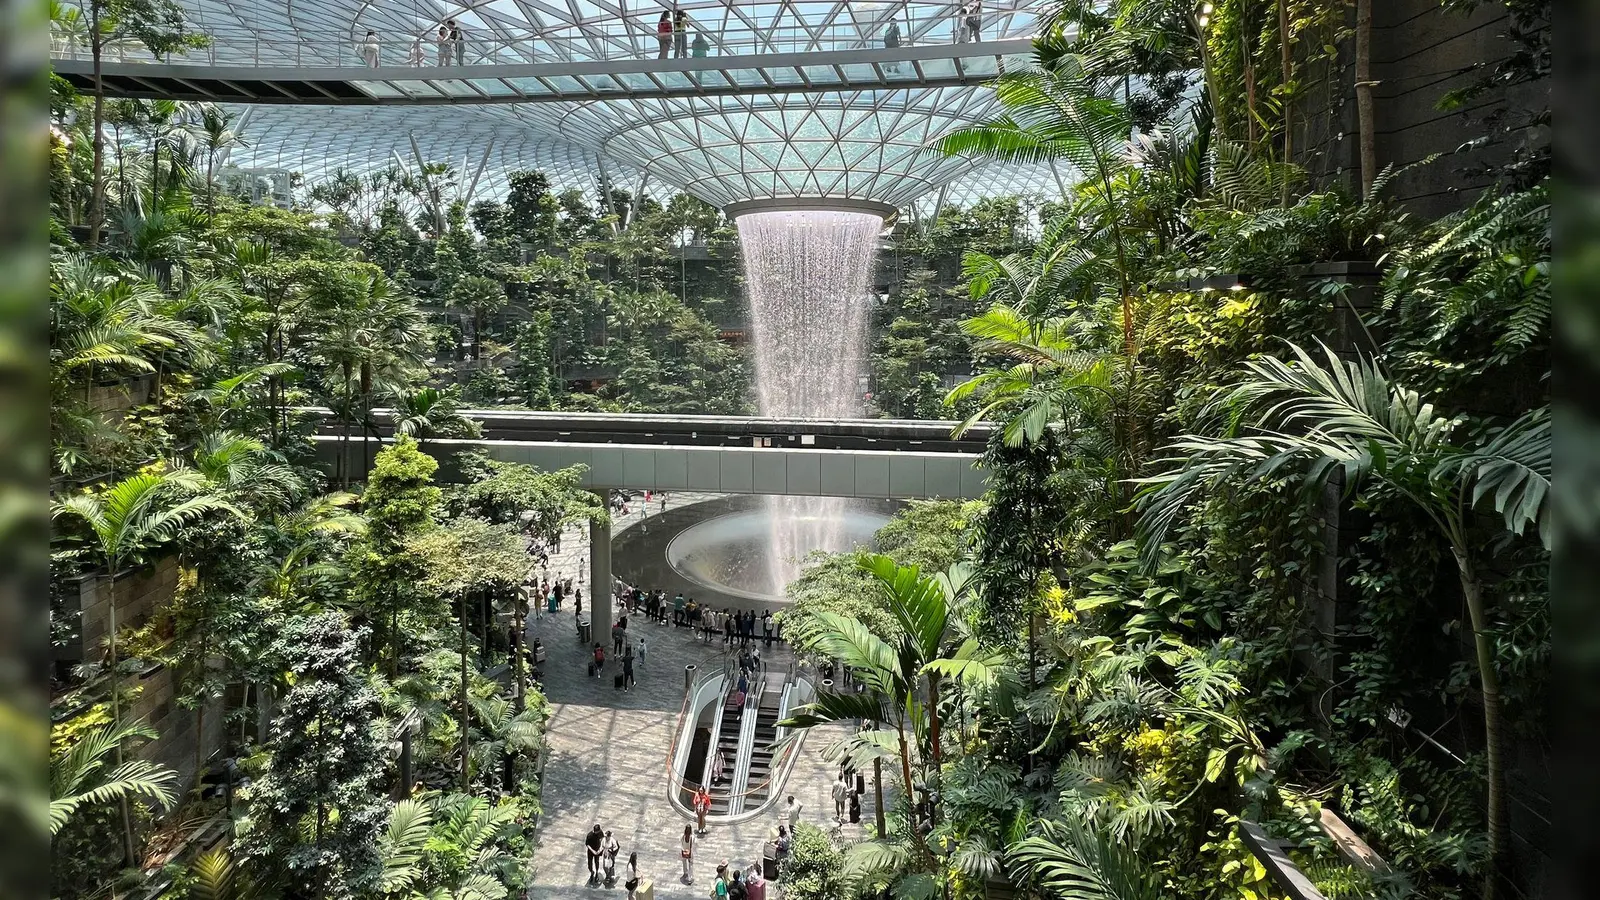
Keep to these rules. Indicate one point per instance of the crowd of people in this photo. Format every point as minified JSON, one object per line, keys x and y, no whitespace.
{"x":741,"y":628}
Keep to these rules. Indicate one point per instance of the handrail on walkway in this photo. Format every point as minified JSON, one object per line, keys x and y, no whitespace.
{"x":597,"y":42}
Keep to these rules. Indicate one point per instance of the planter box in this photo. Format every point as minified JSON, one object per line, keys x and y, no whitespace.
{"x":120,"y":396}
{"x":1349,"y":305}
{"x":136,"y":593}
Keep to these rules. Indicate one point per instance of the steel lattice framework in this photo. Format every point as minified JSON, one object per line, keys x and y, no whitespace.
{"x":769,"y":143}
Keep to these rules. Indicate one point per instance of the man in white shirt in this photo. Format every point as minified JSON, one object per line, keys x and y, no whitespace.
{"x":790,"y":812}
{"x":841,"y":793}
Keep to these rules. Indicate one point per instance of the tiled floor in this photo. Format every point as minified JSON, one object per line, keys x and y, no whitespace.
{"x":608,"y":761}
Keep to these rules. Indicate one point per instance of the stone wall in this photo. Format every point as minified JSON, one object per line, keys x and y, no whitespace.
{"x":178,"y":726}
{"x":119,"y":397}
{"x":1420,"y":52}
{"x":137,"y":594}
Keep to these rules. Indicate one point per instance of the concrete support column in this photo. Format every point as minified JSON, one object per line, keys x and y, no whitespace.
{"x":600,"y":600}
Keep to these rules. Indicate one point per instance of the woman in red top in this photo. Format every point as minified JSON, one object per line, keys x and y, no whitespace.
{"x":664,"y":34}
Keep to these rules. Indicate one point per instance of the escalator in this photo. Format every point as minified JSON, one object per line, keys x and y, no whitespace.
{"x":766,"y":734}
{"x":728,"y":743}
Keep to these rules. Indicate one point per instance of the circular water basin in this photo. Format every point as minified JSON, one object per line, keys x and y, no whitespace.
{"x":756,"y":553}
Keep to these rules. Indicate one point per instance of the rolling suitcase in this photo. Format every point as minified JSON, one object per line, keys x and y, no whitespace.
{"x":855,"y":809}
{"x":617,"y":680}
{"x":646,"y":891}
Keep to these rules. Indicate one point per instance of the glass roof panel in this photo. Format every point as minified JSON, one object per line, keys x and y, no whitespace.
{"x":749,"y":141}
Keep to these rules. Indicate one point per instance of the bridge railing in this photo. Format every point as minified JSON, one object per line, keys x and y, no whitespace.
{"x":635,"y":39}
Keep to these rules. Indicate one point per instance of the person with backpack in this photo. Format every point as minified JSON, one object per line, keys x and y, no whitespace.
{"x":736,"y":888}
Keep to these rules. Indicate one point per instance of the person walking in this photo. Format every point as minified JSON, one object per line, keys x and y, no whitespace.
{"x":632,"y":884}
{"x":593,"y":842}
{"x":841,"y":794}
{"x":719,"y":888}
{"x":369,"y":49}
{"x":416,"y":56}
{"x":627,"y":672}
{"x":641,"y":651}
{"x":702,"y":806}
{"x":599,"y":659}
{"x":608,"y":858}
{"x":619,"y":634}
{"x":680,"y":35}
{"x":736,"y":887}
{"x":458,"y":39}
{"x":443,"y":41}
{"x":686,"y":853}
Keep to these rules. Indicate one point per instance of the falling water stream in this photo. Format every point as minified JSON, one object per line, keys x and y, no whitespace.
{"x":810,"y":282}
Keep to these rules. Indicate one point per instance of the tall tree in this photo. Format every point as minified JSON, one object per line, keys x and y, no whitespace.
{"x":162,"y":27}
{"x":318,"y":809}
{"x":1320,"y":421}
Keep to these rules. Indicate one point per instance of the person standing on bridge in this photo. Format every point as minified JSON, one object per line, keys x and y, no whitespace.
{"x":974,"y":20}
{"x":443,"y":40}
{"x":369,"y":49}
{"x":680,"y":35}
{"x":891,"y":41}
{"x":458,"y":39}
{"x":664,"y":34}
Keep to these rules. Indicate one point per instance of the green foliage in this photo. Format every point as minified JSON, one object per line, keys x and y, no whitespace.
{"x":84,"y":775}
{"x":814,"y":867}
{"x":1467,"y":302}
{"x":509,"y":493}
{"x":317,"y":809}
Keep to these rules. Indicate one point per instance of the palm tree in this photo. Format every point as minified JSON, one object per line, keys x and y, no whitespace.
{"x":1076,"y":861}
{"x":457,"y":836}
{"x":505,"y":732}
{"x":108,"y":320}
{"x":425,"y":413}
{"x":1318,"y":422}
{"x":134,"y":516}
{"x":82,"y":776}
{"x":216,"y":878}
{"x":216,"y":135}
{"x":903,"y":680}
{"x":1059,"y":115}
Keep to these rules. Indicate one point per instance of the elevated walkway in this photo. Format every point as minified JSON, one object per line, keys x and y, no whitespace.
{"x":876,"y":458}
{"x":301,"y":72}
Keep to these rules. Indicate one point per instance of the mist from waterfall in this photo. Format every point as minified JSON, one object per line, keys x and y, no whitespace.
{"x":809,"y":277}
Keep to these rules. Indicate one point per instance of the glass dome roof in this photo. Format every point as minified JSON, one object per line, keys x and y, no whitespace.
{"x":774,"y":141}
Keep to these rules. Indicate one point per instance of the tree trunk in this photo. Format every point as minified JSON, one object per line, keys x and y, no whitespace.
{"x":466,"y":742}
{"x":1368,"y":138}
{"x":1489,"y":681}
{"x":129,"y":853}
{"x":934,"y":731}
{"x":1286,"y":59}
{"x":97,"y":195}
{"x":905,"y":771}
{"x":518,"y":622}
{"x":877,"y":789}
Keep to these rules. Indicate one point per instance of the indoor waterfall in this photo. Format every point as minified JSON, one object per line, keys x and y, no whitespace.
{"x":809,"y":276}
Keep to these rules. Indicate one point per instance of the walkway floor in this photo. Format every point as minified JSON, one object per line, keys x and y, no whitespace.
{"x":608,"y":760}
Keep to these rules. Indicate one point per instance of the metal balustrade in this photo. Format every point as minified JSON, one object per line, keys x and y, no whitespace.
{"x":634,"y":40}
